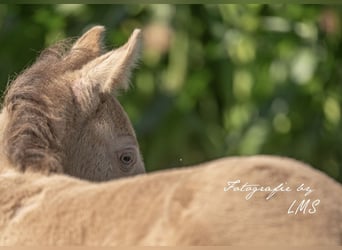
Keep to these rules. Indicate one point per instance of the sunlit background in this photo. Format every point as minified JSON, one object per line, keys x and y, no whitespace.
{"x":214,"y":80}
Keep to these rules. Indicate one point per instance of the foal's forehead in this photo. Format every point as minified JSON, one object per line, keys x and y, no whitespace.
{"x":110,"y":110}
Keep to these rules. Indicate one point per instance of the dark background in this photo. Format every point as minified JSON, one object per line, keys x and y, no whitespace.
{"x":214,"y":80}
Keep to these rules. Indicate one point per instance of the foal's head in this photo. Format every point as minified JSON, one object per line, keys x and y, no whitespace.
{"x":62,"y":114}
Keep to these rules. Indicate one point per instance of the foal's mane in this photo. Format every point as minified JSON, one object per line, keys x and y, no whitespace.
{"x":35,"y":102}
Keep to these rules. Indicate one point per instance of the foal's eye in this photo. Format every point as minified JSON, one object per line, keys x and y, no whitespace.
{"x":127,"y":159}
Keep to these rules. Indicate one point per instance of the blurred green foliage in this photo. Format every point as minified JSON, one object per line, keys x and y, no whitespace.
{"x":214,"y":80}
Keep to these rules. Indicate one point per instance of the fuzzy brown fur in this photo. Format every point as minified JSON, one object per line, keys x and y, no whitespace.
{"x":51,"y":103}
{"x":36,"y":103}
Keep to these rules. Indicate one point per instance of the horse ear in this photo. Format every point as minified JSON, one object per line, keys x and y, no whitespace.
{"x":112,"y":70}
{"x":86,"y":48}
{"x":91,"y":40}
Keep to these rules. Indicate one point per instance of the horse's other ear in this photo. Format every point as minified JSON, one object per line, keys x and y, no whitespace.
{"x":91,"y":40}
{"x":112,"y":70}
{"x":86,"y":48}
